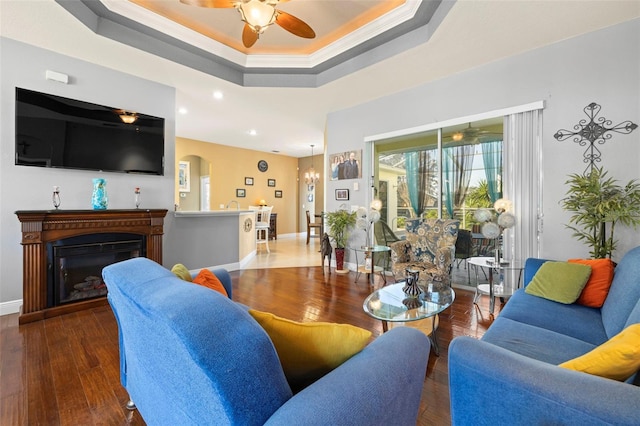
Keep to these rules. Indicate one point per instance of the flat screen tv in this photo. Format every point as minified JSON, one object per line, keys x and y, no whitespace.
{"x":52,"y":131}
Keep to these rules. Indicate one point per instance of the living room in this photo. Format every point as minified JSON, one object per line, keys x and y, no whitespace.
{"x":602,"y":66}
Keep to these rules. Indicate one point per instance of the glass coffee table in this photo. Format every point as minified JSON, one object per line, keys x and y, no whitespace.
{"x":392,"y":306}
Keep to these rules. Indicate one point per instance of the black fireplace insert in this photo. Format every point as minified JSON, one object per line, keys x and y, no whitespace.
{"x":75,"y":264}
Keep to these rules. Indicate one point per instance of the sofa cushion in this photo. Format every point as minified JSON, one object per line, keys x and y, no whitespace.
{"x":585,"y":323}
{"x":531,"y":266}
{"x":535,"y":342}
{"x":206,"y":278}
{"x":308,"y":351}
{"x":624,"y":293}
{"x":559,"y":281}
{"x":597,"y":287}
{"x":617,"y":359}
{"x":181,"y":272}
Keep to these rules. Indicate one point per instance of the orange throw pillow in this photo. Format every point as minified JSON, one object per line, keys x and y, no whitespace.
{"x":596,"y":290}
{"x":207,"y":279}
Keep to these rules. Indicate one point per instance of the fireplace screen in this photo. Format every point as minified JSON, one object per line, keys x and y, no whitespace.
{"x":77,"y":266}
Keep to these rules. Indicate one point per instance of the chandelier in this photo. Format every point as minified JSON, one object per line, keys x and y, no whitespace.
{"x":311,"y":176}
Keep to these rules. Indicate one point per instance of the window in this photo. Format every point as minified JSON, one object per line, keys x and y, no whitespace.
{"x":446,"y":172}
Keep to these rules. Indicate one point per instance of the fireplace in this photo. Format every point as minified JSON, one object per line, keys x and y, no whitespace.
{"x":74,"y":265}
{"x":64,"y":252}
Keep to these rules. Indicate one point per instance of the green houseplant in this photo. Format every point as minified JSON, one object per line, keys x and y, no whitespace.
{"x":598,"y":204}
{"x":339,"y":222}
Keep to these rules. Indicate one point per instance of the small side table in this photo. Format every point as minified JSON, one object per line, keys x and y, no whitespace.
{"x":511,"y":278}
{"x":369,"y":255}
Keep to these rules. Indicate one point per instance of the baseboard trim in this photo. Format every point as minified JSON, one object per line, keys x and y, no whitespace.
{"x":11,"y":307}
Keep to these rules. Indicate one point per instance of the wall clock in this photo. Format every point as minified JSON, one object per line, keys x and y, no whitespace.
{"x":263,"y":166}
{"x":247,"y":224}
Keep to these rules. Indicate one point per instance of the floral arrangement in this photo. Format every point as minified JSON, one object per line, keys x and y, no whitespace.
{"x":496,"y":222}
{"x":365,"y":218}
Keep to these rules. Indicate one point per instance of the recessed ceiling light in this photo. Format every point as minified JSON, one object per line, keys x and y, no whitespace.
{"x":218,"y":94}
{"x":182,"y":110}
{"x":253,"y":132}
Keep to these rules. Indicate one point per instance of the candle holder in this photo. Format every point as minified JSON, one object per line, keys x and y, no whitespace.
{"x":137,"y":197}
{"x":56,"y":197}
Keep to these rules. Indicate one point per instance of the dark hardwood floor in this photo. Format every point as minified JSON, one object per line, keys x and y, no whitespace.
{"x":65,"y":370}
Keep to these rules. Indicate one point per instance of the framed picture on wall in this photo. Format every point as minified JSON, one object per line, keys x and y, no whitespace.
{"x":248,"y":181}
{"x":342,"y":194}
{"x":278,"y":193}
{"x":345,"y":165}
{"x":184,"y":176}
{"x":271,"y":182}
{"x":240,"y":193}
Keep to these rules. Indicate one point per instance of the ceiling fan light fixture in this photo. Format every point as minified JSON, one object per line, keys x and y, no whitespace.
{"x":258,"y":14}
{"x":458,"y":136}
{"x":127,"y":117}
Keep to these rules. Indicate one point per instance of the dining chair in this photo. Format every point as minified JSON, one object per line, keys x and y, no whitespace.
{"x":263,"y":223}
{"x":464,"y":250}
{"x":317,"y":227}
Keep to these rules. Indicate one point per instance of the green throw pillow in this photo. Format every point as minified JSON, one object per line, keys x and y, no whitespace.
{"x":559,"y":281}
{"x":181,"y":272}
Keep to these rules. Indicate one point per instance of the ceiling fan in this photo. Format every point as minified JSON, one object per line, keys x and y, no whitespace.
{"x":472,"y":134}
{"x":257,"y":16}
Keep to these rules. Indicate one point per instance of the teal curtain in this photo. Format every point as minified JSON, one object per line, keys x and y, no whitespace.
{"x":448,"y":176}
{"x":457,"y":166}
{"x":418,"y":177}
{"x":492,"y":157}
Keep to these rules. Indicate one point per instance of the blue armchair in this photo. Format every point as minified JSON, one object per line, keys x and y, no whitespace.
{"x":190,"y":356}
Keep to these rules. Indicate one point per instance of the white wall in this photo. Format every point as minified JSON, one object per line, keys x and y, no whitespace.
{"x":602,"y":67}
{"x":29,"y":188}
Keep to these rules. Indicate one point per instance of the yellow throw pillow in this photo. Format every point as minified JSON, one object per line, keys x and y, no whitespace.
{"x":308,"y":351}
{"x":617,"y":359}
{"x":181,"y":272}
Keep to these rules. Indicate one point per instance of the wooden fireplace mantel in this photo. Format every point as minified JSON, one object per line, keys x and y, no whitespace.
{"x":40,"y":227}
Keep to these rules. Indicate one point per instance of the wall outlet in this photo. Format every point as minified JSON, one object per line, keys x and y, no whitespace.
{"x":221,"y":206}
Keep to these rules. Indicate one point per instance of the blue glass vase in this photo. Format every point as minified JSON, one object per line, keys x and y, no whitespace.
{"x":99,"y":198}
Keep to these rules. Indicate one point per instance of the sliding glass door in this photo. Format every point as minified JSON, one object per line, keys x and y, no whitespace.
{"x":464,"y":164}
{"x":448,"y":172}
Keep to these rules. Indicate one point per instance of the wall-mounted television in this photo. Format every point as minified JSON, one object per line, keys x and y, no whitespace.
{"x":52,"y":131}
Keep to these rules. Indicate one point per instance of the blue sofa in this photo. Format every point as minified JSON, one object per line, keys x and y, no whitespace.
{"x":190,"y":356}
{"x":510,"y":376}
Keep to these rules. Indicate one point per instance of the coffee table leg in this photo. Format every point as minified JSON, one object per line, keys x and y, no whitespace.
{"x":433,"y":337}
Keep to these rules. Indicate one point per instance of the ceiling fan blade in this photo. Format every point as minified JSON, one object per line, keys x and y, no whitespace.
{"x":294,"y":25}
{"x":210,"y":3}
{"x":249,"y":37}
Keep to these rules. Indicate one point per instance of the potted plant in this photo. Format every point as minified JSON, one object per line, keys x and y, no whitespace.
{"x":339,"y":223}
{"x":598,"y":203}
